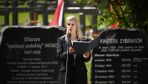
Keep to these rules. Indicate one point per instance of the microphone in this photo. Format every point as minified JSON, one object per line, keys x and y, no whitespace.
{"x":68,"y":39}
{"x":69,"y":35}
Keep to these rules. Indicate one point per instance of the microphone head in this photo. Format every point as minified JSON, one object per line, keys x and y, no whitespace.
{"x":69,"y":35}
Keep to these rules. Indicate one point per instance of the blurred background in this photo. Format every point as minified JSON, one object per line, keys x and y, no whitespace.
{"x":94,"y":15}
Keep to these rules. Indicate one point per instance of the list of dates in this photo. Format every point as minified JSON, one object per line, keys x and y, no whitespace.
{"x":116,"y":62}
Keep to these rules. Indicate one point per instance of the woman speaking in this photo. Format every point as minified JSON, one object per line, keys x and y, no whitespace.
{"x":73,"y":69}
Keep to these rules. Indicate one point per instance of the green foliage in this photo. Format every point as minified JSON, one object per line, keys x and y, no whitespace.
{"x":129,"y":13}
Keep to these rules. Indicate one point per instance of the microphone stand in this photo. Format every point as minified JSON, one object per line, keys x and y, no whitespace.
{"x":68,"y":45}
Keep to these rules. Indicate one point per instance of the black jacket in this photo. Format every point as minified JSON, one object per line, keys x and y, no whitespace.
{"x":76,"y":69}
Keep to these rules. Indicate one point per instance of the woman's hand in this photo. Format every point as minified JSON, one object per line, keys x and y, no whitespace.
{"x":71,"y":50}
{"x":87,"y":54}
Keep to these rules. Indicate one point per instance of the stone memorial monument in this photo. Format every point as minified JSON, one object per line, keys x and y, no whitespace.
{"x":28,"y":55}
{"x":121,"y":57}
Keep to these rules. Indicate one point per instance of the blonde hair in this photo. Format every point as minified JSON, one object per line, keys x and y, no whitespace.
{"x":79,"y":32}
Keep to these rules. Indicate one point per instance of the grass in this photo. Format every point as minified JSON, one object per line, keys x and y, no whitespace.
{"x":88,"y":66}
